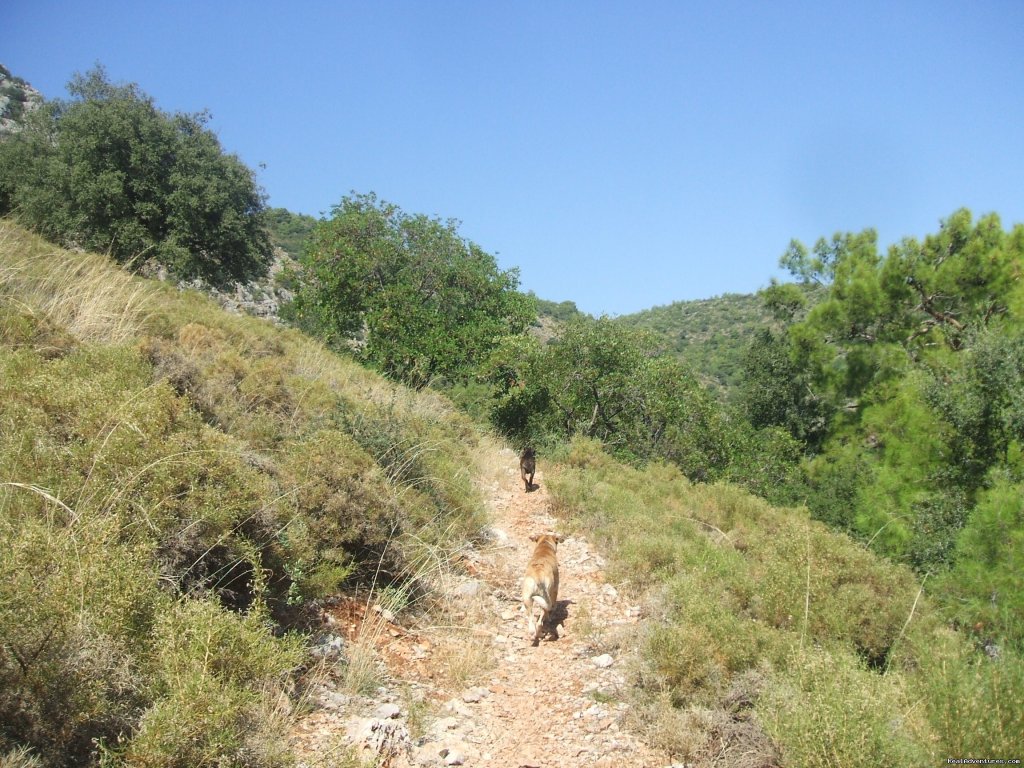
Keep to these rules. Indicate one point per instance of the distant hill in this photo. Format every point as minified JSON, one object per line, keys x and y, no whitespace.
{"x":711,"y":335}
{"x":552,"y":315}
{"x":289,"y":231}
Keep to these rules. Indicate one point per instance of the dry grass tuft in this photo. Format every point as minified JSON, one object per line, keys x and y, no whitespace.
{"x":726,"y":735}
{"x":84,"y":293}
{"x":463,"y":658}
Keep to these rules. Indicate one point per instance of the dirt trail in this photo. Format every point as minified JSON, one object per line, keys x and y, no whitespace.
{"x":558,"y":703}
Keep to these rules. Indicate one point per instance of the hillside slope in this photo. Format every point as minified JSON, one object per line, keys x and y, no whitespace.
{"x":233,"y":474}
{"x":710,"y":335}
{"x":223,"y":545}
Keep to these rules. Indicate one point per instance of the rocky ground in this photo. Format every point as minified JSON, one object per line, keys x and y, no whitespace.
{"x":471,"y":689}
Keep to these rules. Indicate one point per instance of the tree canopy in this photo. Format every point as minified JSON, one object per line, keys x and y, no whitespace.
{"x":413,"y":297}
{"x":601,"y":379}
{"x":903,"y":385}
{"x":106,"y":170}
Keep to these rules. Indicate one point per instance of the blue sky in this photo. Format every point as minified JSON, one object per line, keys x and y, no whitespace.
{"x":620,"y":154}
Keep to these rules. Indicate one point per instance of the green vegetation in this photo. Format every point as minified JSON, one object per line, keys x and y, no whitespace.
{"x":174,"y":483}
{"x":598,"y":379}
{"x":773,"y":639}
{"x":107,"y":171}
{"x":422,"y":302}
{"x":710,"y":336}
{"x":602,"y":380}
{"x":289,"y":231}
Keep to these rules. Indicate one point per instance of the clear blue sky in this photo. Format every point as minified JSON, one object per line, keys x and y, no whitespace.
{"x":620,"y":154}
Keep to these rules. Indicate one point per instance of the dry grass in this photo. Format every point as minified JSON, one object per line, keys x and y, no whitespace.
{"x":190,"y":432}
{"x":20,"y":757}
{"x":463,"y":658}
{"x":363,"y":672}
{"x":79,"y":292}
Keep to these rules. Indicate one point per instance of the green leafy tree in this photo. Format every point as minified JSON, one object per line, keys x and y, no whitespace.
{"x":603,"y":380}
{"x":108,"y":171}
{"x":775,"y":392}
{"x":419,"y":301}
{"x":913,"y":359}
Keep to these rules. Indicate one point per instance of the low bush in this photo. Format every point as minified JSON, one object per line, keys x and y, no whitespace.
{"x":857,"y":666}
{"x":973,"y":700}
{"x":176,"y":486}
{"x":76,"y":606}
{"x":219,"y":692}
{"x":828,"y":709}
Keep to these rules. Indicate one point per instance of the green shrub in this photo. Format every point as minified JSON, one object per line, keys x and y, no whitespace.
{"x":974,"y":702}
{"x":829,"y":710}
{"x":342,"y":503}
{"x":76,"y":605}
{"x":205,"y":723}
{"x":212,"y":671}
{"x":681,"y":662}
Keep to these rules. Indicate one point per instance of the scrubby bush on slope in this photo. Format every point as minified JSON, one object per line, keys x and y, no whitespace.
{"x":774,"y":636}
{"x":174,"y":482}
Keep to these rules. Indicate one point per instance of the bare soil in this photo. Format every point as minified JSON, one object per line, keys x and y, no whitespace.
{"x":478,"y":691}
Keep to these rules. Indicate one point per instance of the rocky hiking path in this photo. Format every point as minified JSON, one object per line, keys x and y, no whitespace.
{"x":560,"y":702}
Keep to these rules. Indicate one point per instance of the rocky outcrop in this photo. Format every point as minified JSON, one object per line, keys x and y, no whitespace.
{"x":17,"y":100}
{"x":260,"y":298}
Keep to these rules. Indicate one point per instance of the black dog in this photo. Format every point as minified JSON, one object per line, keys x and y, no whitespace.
{"x":527,"y":467}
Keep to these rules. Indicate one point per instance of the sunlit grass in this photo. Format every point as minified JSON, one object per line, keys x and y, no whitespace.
{"x":853,"y":665}
{"x":175,"y":480}
{"x":78,"y":292}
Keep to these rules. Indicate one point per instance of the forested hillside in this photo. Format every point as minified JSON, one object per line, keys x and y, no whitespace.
{"x":711,"y":336}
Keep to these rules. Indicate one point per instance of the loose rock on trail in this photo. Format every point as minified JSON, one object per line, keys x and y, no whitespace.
{"x":478,"y":692}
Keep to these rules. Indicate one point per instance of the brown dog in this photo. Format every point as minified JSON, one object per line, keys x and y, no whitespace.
{"x":540,"y":587}
{"x":527,"y":467}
